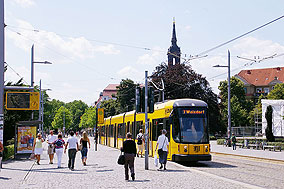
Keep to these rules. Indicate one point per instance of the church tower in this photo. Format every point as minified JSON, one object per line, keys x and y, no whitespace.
{"x":174,"y":50}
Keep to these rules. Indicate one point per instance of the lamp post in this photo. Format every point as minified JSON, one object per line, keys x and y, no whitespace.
{"x":229,"y":133}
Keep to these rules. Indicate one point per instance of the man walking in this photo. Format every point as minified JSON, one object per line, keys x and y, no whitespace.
{"x":72,"y":149}
{"x":140,"y":140}
{"x":50,"y":150}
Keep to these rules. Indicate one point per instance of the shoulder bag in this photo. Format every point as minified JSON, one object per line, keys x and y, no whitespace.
{"x":161,"y":149}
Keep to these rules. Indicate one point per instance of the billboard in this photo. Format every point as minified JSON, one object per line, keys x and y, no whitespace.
{"x":100,"y":115}
{"x":22,"y":100}
{"x":25,"y":139}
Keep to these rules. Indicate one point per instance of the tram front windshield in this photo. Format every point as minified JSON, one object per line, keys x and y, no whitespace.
{"x":192,"y":125}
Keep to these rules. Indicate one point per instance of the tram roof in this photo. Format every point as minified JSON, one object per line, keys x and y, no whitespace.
{"x":180,"y":103}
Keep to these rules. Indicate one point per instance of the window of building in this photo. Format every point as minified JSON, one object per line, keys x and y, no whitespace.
{"x":246,"y":90}
{"x":258,"y":90}
{"x":266,"y":90}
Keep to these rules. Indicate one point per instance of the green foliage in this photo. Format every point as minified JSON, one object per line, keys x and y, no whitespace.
{"x":126,"y":95}
{"x":277,"y":92}
{"x":240,"y":107}
{"x":257,"y":110}
{"x":8,"y":152}
{"x":110,"y":107}
{"x":88,"y":119}
{"x":62,"y":116}
{"x":50,"y":108}
{"x":220,"y":141}
{"x":182,"y":82}
{"x":268,"y":131}
{"x":77,"y":108}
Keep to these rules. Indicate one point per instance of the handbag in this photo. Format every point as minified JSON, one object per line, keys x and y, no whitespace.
{"x":160,"y":151}
{"x":32,"y":156}
{"x":121,"y":159}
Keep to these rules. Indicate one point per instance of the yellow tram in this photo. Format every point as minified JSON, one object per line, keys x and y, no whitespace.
{"x":186,"y":122}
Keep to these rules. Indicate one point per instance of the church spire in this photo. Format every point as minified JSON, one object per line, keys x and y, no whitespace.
{"x":174,"y":50}
{"x":174,"y":38}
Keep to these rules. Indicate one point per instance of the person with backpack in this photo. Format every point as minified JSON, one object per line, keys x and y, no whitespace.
{"x":59,"y":144}
{"x":140,"y":141}
{"x":234,"y":141}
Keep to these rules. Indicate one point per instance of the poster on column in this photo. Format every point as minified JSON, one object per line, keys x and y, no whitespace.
{"x":25,"y":140}
{"x":1,"y":127}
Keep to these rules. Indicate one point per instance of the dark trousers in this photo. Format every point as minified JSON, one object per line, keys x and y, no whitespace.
{"x":234,"y":146}
{"x":162,"y":157}
{"x":129,"y":162}
{"x":71,"y":155}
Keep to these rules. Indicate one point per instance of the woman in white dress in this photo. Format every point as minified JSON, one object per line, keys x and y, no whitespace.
{"x":37,"y":148}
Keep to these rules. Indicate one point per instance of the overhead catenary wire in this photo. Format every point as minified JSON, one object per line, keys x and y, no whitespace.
{"x":16,"y":73}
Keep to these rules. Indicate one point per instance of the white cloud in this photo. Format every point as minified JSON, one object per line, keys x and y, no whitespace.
{"x":25,"y":3}
{"x":108,"y":49}
{"x":153,"y":58}
{"x":188,"y":27}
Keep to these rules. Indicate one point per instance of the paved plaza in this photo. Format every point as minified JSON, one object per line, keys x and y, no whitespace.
{"x":102,"y":171}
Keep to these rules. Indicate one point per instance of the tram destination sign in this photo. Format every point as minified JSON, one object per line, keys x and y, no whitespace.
{"x":194,"y":112}
{"x":22,"y":100}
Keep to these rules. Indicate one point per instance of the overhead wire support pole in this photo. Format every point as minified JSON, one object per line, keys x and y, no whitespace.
{"x":2,"y":60}
{"x":229,"y":96}
{"x":146,"y":121}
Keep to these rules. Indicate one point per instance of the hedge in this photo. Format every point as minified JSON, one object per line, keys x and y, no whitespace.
{"x":8,"y":152}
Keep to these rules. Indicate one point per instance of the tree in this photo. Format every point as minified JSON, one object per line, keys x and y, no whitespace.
{"x":62,"y":116}
{"x":110,"y":107}
{"x":182,"y":82}
{"x":277,"y":92}
{"x":50,"y":108}
{"x":240,"y":107}
{"x":77,"y":108}
{"x":88,"y":119}
{"x":268,"y":131}
{"x":126,"y":95}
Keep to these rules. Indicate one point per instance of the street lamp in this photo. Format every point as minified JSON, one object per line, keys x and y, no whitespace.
{"x":32,"y":65}
{"x":229,"y":96}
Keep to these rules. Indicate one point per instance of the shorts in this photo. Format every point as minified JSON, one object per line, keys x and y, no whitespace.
{"x":50,"y":149}
{"x":84,"y":152}
{"x":140,"y":148}
{"x":38,"y":151}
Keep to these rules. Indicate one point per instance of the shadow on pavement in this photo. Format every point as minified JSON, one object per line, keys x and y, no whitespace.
{"x":139,"y":181}
{"x":4,"y":178}
{"x":47,"y":170}
{"x":107,"y":170}
{"x":209,"y":164}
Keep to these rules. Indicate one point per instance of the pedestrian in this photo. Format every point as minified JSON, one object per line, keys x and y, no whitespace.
{"x":1,"y":152}
{"x":129,"y":149}
{"x":37,"y":147}
{"x":234,"y":141}
{"x":50,"y":149}
{"x":162,"y":145}
{"x":72,"y":150}
{"x":84,"y":141}
{"x":140,"y":141}
{"x":59,"y":143}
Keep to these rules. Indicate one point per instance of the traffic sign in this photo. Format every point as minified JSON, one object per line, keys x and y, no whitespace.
{"x":22,"y":100}
{"x":100,"y":115}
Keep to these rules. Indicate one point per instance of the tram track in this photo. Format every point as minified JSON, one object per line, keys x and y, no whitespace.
{"x":258,"y":159}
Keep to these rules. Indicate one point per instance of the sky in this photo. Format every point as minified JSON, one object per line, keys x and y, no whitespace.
{"x":95,"y":43}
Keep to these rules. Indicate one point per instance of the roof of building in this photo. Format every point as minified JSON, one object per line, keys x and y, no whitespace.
{"x":111,"y":87}
{"x":262,"y":77}
{"x":108,"y":91}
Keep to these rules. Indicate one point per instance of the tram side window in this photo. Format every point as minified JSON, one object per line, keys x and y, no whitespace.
{"x":133,"y":129}
{"x":176,"y":129}
{"x":103,"y":131}
{"x":139,"y":125}
{"x":120,"y":131}
{"x":168,"y":128}
{"x":111,"y":130}
{"x":123,"y":130}
{"x":158,"y":126}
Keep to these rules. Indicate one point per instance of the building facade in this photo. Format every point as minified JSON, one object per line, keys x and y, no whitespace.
{"x":260,"y":81}
{"x":108,"y":93}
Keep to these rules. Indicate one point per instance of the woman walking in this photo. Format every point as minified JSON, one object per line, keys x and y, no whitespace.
{"x":129,"y":149}
{"x":37,"y":147}
{"x":84,"y":141}
{"x":59,"y":143}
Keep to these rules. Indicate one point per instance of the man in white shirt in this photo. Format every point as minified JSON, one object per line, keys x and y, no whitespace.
{"x":50,"y":150}
{"x":72,"y":150}
{"x":163,"y":144}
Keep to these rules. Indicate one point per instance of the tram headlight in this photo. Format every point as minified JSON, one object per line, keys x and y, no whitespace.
{"x":185,"y":148}
{"x":206,"y":148}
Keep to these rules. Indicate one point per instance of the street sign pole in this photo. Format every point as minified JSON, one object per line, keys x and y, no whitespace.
{"x":146,"y":121}
{"x":2,"y":54}
{"x":96,"y":130}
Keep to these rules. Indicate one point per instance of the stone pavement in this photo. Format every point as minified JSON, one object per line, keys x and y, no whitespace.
{"x":102,"y":171}
{"x":276,"y":155}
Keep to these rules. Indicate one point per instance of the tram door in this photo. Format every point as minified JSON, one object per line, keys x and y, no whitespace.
{"x":115,"y":135}
{"x":167,"y":126}
{"x":106,"y":134}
